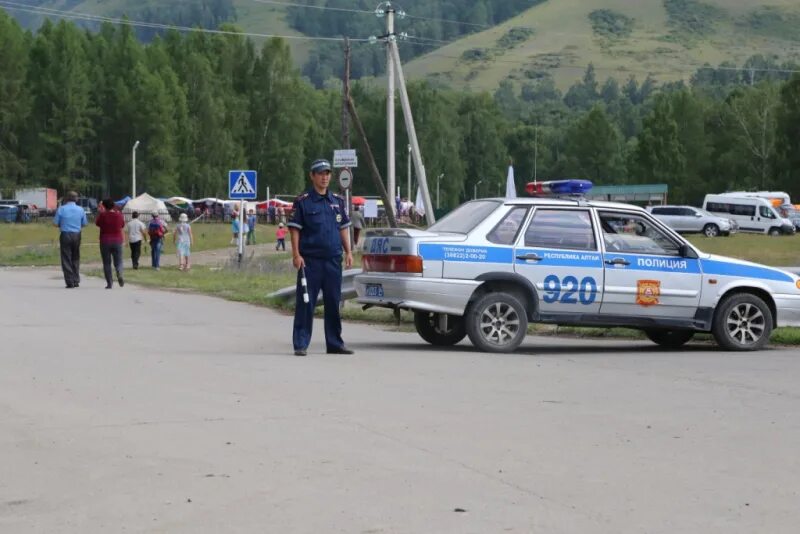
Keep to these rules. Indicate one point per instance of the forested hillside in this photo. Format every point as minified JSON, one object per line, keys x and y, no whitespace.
{"x":72,"y":104}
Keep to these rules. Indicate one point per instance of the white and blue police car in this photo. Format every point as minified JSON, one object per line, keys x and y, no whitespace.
{"x":492,"y":266}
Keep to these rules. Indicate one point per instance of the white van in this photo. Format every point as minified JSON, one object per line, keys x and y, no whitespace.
{"x":779,"y":199}
{"x":753,"y":214}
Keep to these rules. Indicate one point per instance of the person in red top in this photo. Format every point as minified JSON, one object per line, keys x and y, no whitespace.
{"x":111,"y":223}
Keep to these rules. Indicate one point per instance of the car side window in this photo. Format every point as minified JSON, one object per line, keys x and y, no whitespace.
{"x":634,"y":234}
{"x":766,"y":212}
{"x":506,"y":231}
{"x":661,"y":211}
{"x":564,"y":229}
{"x":687,"y":212}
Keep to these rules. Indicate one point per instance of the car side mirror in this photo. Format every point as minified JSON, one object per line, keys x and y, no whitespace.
{"x":698,"y":215}
{"x":685,"y":251}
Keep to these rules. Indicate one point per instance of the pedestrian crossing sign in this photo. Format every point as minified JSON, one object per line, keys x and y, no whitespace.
{"x":242,"y":185}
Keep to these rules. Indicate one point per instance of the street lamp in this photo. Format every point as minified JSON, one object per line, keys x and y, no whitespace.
{"x":475,"y":189}
{"x":438,"y":179}
{"x":133,"y":179}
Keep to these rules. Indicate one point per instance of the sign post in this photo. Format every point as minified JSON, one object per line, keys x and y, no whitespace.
{"x":346,"y":159}
{"x":242,"y":185}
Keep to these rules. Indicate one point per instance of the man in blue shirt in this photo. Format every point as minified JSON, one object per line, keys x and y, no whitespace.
{"x":320,"y":234}
{"x":70,"y":218}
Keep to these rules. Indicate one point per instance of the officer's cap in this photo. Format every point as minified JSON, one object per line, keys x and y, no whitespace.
{"x":321,"y":165}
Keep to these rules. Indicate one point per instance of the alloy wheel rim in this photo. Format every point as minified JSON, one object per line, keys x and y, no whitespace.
{"x":499,"y":323}
{"x":746,"y":324}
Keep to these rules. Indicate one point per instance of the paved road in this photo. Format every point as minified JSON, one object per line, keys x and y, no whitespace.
{"x":146,"y":411}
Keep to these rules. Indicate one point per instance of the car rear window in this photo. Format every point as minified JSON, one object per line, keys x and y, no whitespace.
{"x":466,"y":217}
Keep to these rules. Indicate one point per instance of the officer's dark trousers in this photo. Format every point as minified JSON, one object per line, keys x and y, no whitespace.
{"x":136,"y":252}
{"x":71,"y":257}
{"x":324,"y":274}
{"x":109,"y":252}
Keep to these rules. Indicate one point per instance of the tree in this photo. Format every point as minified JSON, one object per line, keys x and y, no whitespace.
{"x":788,"y":141}
{"x":659,"y":155}
{"x":14,"y":103}
{"x":593,"y":147}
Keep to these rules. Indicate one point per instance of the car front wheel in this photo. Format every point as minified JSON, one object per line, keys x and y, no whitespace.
{"x":774,"y":232}
{"x":497,"y":322}
{"x":742,"y":322}
{"x":670,"y":339}
{"x":429,"y":328}
{"x":711,"y":230}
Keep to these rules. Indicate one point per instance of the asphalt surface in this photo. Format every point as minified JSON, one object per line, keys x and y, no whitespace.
{"x":137,"y":410}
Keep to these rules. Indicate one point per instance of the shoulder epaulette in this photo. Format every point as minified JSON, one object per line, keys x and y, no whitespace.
{"x":302,"y":196}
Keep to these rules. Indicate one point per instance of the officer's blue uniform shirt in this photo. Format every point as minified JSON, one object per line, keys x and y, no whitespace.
{"x":70,"y":217}
{"x":319,"y":219}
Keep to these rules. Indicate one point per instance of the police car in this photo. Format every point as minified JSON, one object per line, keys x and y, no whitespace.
{"x":492,"y":266}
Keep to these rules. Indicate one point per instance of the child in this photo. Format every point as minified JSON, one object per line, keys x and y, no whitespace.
{"x":183,"y":240}
{"x":235,"y":228}
{"x":280,"y":233}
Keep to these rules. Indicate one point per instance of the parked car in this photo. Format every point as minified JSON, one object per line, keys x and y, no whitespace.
{"x":492,"y":266}
{"x":691,"y":220}
{"x":8,"y":213}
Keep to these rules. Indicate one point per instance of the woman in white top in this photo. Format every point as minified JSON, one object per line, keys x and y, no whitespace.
{"x":183,"y":240}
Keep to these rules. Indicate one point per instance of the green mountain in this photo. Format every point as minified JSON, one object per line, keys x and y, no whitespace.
{"x":669,"y":39}
{"x":521,"y":40}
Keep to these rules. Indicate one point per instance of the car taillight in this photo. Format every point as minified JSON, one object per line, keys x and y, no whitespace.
{"x":391,"y":263}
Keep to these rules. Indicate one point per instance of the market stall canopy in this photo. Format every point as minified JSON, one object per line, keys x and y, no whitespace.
{"x":146,"y":205}
{"x":179,"y":201}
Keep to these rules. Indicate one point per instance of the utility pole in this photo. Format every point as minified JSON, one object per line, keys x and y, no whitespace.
{"x":419,"y":168}
{"x":346,"y":124}
{"x":390,"y":129}
{"x":133,"y":171}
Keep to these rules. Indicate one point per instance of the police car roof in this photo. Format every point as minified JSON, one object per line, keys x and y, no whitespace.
{"x":556,"y":201}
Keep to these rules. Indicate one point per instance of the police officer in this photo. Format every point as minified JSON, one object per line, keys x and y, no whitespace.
{"x":319,"y":226}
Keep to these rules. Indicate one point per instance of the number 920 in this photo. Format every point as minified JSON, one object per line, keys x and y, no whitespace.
{"x":565,"y":290}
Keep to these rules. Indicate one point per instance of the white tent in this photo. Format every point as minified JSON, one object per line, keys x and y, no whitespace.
{"x":146,"y":205}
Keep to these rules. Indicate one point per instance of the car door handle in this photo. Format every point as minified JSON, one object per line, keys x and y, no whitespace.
{"x":618,"y":261}
{"x":531,"y":257}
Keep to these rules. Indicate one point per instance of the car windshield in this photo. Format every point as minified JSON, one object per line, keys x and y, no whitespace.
{"x":466,"y":217}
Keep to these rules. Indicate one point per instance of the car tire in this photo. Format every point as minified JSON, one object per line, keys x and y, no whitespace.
{"x":427,"y":325}
{"x":711,"y":230}
{"x":774,"y":232}
{"x":668,"y":338}
{"x":496,"y":322}
{"x":742,"y":322}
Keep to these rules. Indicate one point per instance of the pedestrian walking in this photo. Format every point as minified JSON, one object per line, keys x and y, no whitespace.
{"x":358,"y":224}
{"x":183,"y":240}
{"x":111,"y":224}
{"x":251,"y":228}
{"x":70,"y":219}
{"x":271,"y":214}
{"x":137,"y":234}
{"x":319,"y":237}
{"x":280,"y":236}
{"x":157,"y":229}
{"x":281,"y":215}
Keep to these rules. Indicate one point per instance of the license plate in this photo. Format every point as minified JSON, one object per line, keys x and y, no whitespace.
{"x":374,"y":290}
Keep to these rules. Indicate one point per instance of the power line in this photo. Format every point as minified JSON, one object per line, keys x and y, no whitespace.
{"x":36,"y":10}
{"x":310,"y":6}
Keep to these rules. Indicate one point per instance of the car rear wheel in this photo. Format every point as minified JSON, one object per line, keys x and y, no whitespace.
{"x":497,"y":322}
{"x":711,"y":230}
{"x":429,"y":328}
{"x":742,"y":322}
{"x":670,"y":339}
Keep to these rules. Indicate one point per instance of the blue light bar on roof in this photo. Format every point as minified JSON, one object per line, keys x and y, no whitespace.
{"x":559,"y":187}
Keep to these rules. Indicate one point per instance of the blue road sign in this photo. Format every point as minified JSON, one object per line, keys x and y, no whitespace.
{"x":242,"y":185}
